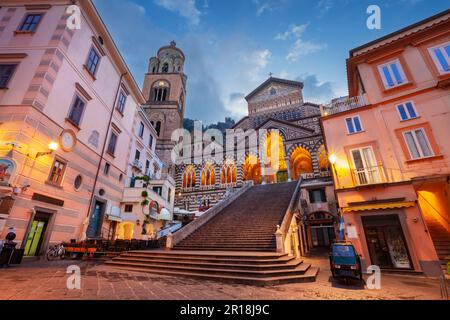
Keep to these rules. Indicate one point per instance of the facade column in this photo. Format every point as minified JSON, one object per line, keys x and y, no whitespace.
{"x":239,"y":174}
{"x":263,"y":173}
{"x":288,"y":165}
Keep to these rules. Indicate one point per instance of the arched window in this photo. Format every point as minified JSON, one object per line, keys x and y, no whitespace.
{"x":181,"y":101}
{"x":161,"y":91}
{"x":208,"y":175}
{"x":158,"y":128}
{"x":189,"y":177}
{"x":165,"y":68}
{"x":229,"y":173}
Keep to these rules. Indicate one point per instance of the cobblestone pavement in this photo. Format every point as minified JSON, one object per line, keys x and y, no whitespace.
{"x":47,"y":280}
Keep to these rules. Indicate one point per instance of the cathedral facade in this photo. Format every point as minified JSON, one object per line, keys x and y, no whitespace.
{"x":277,"y":108}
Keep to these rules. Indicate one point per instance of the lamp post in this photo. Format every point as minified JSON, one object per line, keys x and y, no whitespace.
{"x":333,"y":158}
{"x":52,"y":147}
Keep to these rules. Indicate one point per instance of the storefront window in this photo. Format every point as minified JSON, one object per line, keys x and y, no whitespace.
{"x":386,"y":242}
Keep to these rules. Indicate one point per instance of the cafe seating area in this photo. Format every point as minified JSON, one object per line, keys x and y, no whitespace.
{"x":98,"y":248}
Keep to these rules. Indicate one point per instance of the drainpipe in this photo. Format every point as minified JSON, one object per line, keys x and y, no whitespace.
{"x":103,"y":151}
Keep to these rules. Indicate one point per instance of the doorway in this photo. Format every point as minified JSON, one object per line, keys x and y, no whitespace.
{"x":322,"y":236}
{"x":386,"y":242}
{"x":36,"y":234}
{"x":96,"y":221}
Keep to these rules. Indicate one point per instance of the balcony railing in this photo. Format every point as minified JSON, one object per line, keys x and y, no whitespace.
{"x":370,"y":175}
{"x":343,"y":104}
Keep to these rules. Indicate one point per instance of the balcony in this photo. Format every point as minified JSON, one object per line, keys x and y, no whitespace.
{"x":343,"y":104}
{"x":368,"y":176}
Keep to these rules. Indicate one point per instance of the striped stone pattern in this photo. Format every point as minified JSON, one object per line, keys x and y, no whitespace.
{"x":49,"y":66}
{"x":6,"y":18}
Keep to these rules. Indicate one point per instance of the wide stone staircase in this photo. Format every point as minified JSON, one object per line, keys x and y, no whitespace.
{"x":441,"y":240}
{"x":247,"y":224}
{"x":237,"y":244}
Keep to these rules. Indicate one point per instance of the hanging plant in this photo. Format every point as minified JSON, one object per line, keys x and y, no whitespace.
{"x":145,"y":202}
{"x":144,"y":194}
{"x":146,"y":179}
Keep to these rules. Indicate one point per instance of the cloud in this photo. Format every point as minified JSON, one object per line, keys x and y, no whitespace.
{"x":325,"y":5}
{"x":236,"y":103}
{"x":293,"y":31}
{"x":300,"y":47}
{"x":185,"y":8}
{"x":316,"y":91}
{"x":263,"y":6}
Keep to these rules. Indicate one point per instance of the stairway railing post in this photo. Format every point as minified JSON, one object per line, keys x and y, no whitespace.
{"x":169,"y":241}
{"x":279,"y":240}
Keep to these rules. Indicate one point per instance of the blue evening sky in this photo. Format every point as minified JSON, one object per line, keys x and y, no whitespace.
{"x":232,"y":45}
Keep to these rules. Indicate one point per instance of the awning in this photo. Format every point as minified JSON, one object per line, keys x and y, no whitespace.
{"x":129,"y":216}
{"x":380,"y":206}
{"x":114,"y":218}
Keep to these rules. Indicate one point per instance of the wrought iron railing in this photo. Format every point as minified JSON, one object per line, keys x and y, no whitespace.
{"x":343,"y":104}
{"x":369,"y":175}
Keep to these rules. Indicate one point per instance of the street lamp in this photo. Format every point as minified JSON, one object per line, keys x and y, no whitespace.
{"x":52,"y":147}
{"x":333,"y":159}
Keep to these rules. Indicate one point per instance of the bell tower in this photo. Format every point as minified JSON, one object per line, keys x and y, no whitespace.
{"x":165,"y":91}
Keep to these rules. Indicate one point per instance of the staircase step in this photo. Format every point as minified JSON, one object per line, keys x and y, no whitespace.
{"x":210,"y":265}
{"x":268,"y":261}
{"x":301,"y":268}
{"x":309,"y":276}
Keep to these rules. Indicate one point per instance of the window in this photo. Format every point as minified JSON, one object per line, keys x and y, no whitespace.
{"x":106,"y":169}
{"x":365,"y":166}
{"x":141,"y":130}
{"x":147,"y":166}
{"x":441,"y":57}
{"x":407,"y":111}
{"x":161,"y":91}
{"x":165,"y":68}
{"x":158,"y":190}
{"x":78,"y":182}
{"x":229,"y":173}
{"x":137,"y":155}
{"x":208,"y":175}
{"x":354,"y":125}
{"x":6,"y":72}
{"x":392,"y":74}
{"x":112,"y":143}
{"x":189,"y":177}
{"x":317,"y":196}
{"x":121,"y":102}
{"x":418,"y":144}
{"x":158,"y":128}
{"x":31,"y":22}
{"x":128,"y":208}
{"x":93,"y":61}
{"x":169,"y":195}
{"x":76,"y":111}
{"x":150,"y":142}
{"x":120,"y":177}
{"x":57,"y":173}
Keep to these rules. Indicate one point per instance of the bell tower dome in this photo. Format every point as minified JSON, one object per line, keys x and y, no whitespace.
{"x":165,"y":91}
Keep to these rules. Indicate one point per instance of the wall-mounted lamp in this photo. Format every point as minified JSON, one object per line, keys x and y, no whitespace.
{"x":138,"y":222}
{"x":332,"y":158}
{"x":52,"y":147}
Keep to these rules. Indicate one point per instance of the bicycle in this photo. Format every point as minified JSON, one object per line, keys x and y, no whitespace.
{"x":57,"y":251}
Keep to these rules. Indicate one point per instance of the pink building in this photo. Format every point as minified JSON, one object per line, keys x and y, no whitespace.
{"x":68,"y":110}
{"x":390,"y":145}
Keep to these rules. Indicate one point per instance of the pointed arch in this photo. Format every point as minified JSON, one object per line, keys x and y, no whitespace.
{"x":301,"y":162}
{"x":189,"y":177}
{"x":252,"y":169}
{"x":208,"y":175}
{"x":229,"y":173}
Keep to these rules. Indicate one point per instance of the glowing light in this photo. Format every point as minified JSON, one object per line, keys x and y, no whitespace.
{"x":332,"y":158}
{"x":53,"y":146}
